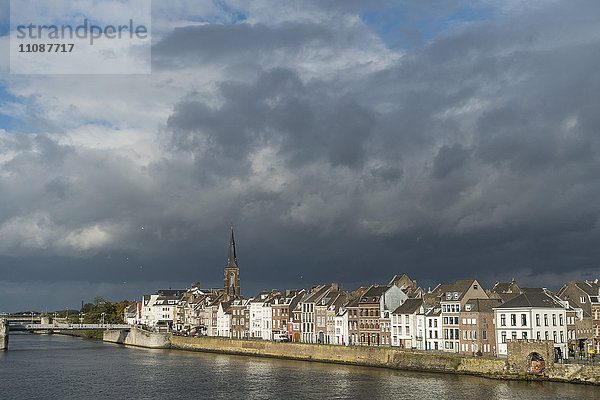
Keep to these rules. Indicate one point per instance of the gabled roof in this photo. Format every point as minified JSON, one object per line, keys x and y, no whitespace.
{"x":317,"y":295}
{"x":410,"y":306}
{"x":434,"y":312}
{"x":482,"y":305}
{"x":590,"y":288}
{"x":461,"y":286}
{"x":375,"y":291}
{"x":532,"y":299}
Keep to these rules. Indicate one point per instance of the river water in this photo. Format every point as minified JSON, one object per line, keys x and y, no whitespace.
{"x":61,"y":367}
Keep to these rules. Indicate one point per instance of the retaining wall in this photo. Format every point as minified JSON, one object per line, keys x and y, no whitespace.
{"x":367,"y":356}
{"x":138,"y":337}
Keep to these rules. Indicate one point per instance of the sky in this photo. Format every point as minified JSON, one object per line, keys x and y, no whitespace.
{"x":345,"y":141}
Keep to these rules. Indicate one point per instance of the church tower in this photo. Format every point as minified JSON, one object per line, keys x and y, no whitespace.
{"x":231,"y":283}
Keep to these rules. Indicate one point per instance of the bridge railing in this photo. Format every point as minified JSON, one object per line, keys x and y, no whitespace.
{"x":58,"y":327}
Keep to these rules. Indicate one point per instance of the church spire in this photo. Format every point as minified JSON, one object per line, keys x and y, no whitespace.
{"x":231,"y":257}
{"x":231,"y":283}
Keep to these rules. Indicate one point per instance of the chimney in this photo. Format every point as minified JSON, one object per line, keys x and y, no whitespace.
{"x":334,"y":286}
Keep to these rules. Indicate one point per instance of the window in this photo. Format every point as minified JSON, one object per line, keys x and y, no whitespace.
{"x":554,"y":319}
{"x":554,"y":336}
{"x":484,"y":335}
{"x":546,"y":335}
{"x":537,"y":319}
{"x":561,"y":320}
{"x":538,"y":336}
{"x":582,"y":299}
{"x":503,"y":320}
{"x":513,"y":319}
{"x":514,"y":335}
{"x":562,"y":337}
{"x":546,"y":319}
{"x":475,"y":287}
{"x":523,"y":319}
{"x":524,"y":336}
{"x":503,"y":337}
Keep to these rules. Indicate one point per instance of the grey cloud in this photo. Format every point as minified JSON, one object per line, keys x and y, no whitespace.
{"x":473,"y":154}
{"x":218,"y":43}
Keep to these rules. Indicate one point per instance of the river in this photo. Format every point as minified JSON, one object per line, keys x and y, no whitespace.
{"x":62,"y":367}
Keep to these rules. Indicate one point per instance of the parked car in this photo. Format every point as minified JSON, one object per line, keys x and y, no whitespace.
{"x":281,"y":337}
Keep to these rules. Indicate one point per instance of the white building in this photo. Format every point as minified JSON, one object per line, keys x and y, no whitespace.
{"x":433,"y":329}
{"x":260,"y":316}
{"x":407,"y":327}
{"x":224,"y":319}
{"x":533,"y":315}
{"x":341,"y":327}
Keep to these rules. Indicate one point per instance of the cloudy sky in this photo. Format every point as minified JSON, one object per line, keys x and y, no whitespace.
{"x":346,"y":141}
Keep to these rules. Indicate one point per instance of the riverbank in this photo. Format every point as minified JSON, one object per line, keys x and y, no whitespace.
{"x":362,"y":356}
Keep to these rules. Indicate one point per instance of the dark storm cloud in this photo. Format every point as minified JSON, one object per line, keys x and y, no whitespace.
{"x":305,"y":122}
{"x":475,"y":155}
{"x":218,"y":43}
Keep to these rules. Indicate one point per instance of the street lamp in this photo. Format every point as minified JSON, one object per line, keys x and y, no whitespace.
{"x":103,"y":315}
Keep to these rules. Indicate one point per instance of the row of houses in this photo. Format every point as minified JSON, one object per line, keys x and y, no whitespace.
{"x":460,"y":317}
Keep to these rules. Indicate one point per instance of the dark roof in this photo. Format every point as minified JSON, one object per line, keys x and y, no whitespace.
{"x":231,"y":257}
{"x":352,"y":303}
{"x":591,"y":288}
{"x":171,"y":292}
{"x":532,"y":299}
{"x":409,"y":306}
{"x":317,"y":295}
{"x":375,"y":291}
{"x":533,"y":290}
{"x":482,"y":305}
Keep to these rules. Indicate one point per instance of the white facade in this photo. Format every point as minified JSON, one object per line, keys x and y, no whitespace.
{"x":531,"y":323}
{"x":407,"y":330}
{"x":433,"y":330}
{"x":256,"y":316}
{"x":223,"y":322}
{"x":341,"y":327}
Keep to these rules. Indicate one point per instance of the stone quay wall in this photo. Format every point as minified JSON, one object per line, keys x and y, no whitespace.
{"x":383,"y":357}
{"x":366,"y":356}
{"x":138,"y":337}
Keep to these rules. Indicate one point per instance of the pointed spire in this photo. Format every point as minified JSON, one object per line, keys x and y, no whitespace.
{"x":231,"y":257}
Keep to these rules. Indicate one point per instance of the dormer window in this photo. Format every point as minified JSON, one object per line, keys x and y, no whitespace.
{"x":582,"y":299}
{"x":475,"y":287}
{"x":456,"y":296}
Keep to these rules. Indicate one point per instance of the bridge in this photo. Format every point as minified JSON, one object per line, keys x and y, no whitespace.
{"x":22,"y":318}
{"x":6,"y":327}
{"x":67,"y":327}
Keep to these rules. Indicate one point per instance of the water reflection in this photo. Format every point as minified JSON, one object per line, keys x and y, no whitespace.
{"x":62,"y":367}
